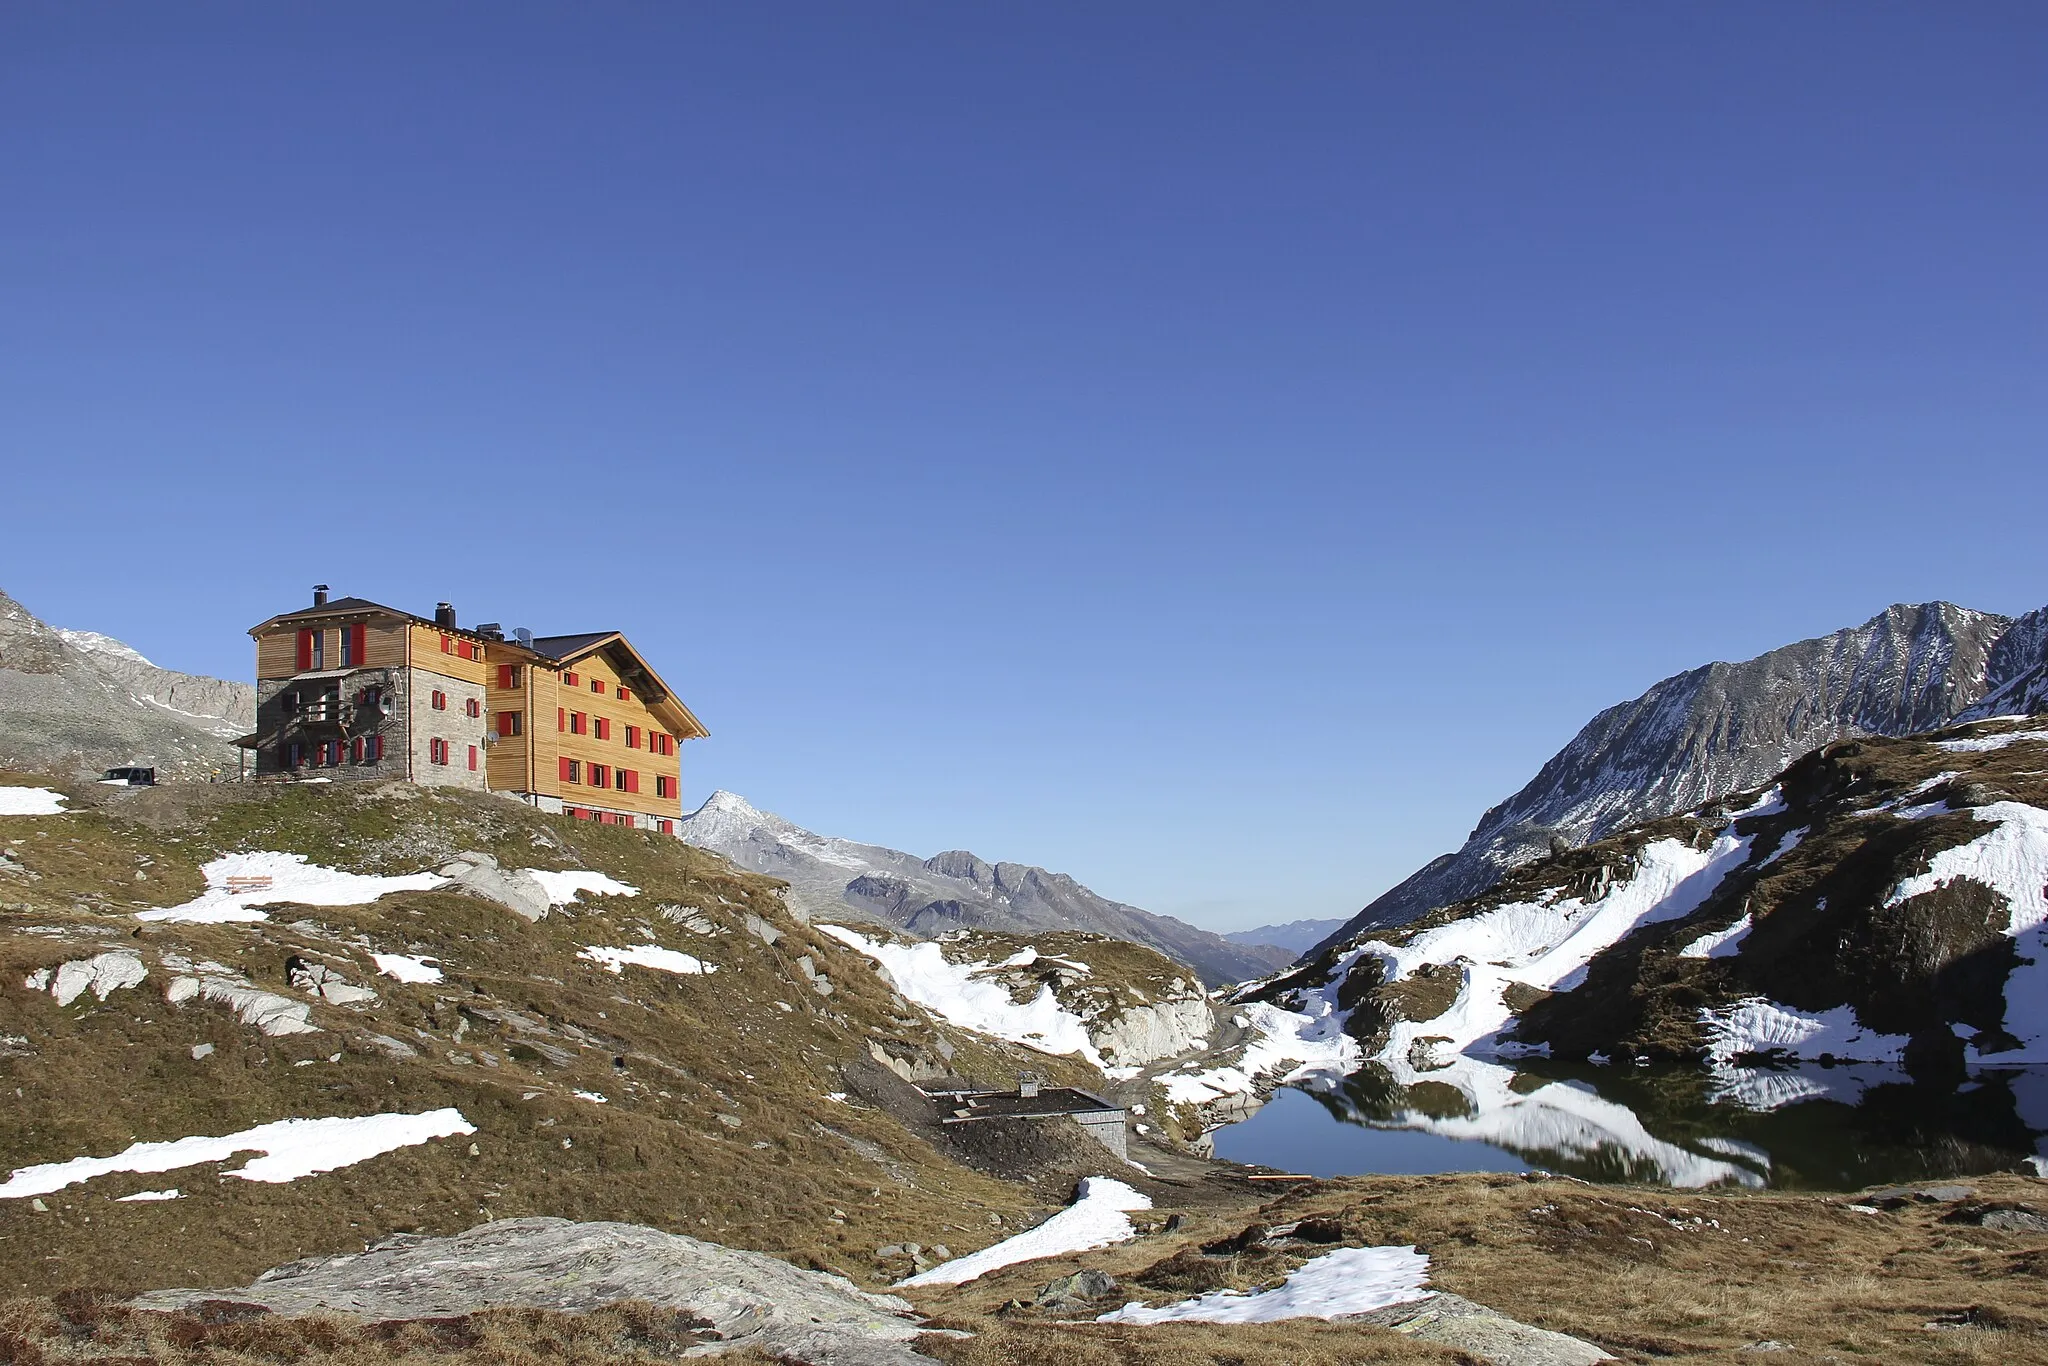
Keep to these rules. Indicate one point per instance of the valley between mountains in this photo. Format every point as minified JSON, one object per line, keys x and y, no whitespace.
{"x":321,"y":1071}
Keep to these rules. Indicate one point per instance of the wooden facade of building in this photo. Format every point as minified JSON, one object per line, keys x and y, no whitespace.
{"x":581,"y":724}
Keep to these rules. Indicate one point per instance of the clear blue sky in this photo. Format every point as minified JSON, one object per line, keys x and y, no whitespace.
{"x":1212,"y":450}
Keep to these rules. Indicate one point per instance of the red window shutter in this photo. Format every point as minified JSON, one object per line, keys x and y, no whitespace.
{"x":472,"y":758}
{"x":358,"y":636}
{"x":561,"y":718}
{"x":504,"y":675}
{"x":305,"y":651}
{"x":565,"y":769}
{"x":633,"y":780}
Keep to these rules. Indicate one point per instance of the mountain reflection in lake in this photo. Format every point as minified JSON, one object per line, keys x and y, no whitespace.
{"x":1807,"y":1126}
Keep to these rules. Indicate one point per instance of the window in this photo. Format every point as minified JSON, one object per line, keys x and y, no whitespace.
{"x":576,"y":723}
{"x":473,"y":707}
{"x":619,"y":776}
{"x":352,"y":646}
{"x":665,"y":827}
{"x":440,"y":700}
{"x":570,"y":679}
{"x":289,"y":701}
{"x":626,"y":821}
{"x":597,"y":686}
{"x":447,"y":645}
{"x":572,"y":770}
{"x":508,"y":675}
{"x":472,"y":758}
{"x":294,"y":754}
{"x":433,"y":751}
{"x":355,"y":749}
{"x":625,"y":693}
{"x":632,"y":737}
{"x":579,"y":813}
{"x":661,"y":742}
{"x":600,"y":728}
{"x":664,"y":786}
{"x":607,"y":818}
{"x":508,"y":723}
{"x":466,"y":649}
{"x":375,"y":748}
{"x":312,"y":650}
{"x":370,"y":700}
{"x":597,"y":775}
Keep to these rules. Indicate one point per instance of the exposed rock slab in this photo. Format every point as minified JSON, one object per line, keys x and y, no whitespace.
{"x":750,"y":1299}
{"x":1454,"y":1321}
{"x":479,"y":874}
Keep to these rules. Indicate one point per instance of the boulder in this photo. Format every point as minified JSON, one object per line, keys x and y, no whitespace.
{"x":749,"y":1299}
{"x":479,"y":875}
{"x":1453,"y":1321}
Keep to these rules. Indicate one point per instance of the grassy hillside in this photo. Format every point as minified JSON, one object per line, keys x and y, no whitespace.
{"x":717,"y":1114}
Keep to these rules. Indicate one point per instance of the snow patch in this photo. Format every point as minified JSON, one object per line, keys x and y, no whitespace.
{"x":290,"y":1148}
{"x":1759,"y":1026}
{"x":1098,"y":1217}
{"x":922,"y":973}
{"x":171,"y":1194}
{"x":406,"y":967}
{"x":563,"y":888}
{"x":1980,"y":743}
{"x":1351,"y":1280}
{"x":31,"y":801}
{"x":291,"y":878}
{"x":1720,"y":943}
{"x":648,"y":956}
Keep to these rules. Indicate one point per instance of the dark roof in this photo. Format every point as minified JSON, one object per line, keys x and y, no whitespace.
{"x":1050,"y":1101}
{"x":343,"y":605}
{"x":561,"y":647}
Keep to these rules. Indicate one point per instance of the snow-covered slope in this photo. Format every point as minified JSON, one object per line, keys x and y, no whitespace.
{"x":1725,"y":728}
{"x":83,"y":700}
{"x":838,"y":879}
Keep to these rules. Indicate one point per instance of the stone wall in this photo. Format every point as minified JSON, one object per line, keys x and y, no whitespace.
{"x":451,"y":723}
{"x":278,"y":724}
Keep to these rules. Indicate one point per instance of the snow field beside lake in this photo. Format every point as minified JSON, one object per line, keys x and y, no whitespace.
{"x":1547,"y":943}
{"x":1760,"y":1026}
{"x":291,"y":879}
{"x":288,"y":1148}
{"x":31,"y":801}
{"x":922,"y":973}
{"x":1099,"y":1217}
{"x":1287,"y":1045}
{"x":1351,"y":1280}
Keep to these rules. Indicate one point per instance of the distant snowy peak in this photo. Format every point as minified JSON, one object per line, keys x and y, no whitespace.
{"x":94,"y":643}
{"x":841,"y":879}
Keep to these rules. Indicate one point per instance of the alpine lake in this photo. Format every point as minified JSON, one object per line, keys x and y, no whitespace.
{"x":1805,"y":1126}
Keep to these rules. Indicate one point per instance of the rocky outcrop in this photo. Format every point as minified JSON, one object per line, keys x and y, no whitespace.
{"x":1724,"y":728}
{"x":1453,"y":1321}
{"x":82,"y":702}
{"x":836,"y":879}
{"x":746,"y":1299}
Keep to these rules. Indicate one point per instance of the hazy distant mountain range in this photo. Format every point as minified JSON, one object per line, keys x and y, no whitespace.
{"x":1722,"y":728}
{"x":840,"y":879}
{"x":1297,"y":935}
{"x":84,"y":701}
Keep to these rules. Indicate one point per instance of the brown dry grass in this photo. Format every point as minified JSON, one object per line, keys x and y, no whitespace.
{"x":1297,"y":1343}
{"x":1644,"y":1273}
{"x":83,"y":1327}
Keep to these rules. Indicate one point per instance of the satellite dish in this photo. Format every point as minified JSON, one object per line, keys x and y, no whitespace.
{"x":491,"y":737}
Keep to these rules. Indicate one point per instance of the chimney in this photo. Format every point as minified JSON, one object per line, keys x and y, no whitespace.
{"x":523,"y":636}
{"x":490,"y":630}
{"x":1028,"y":1084}
{"x":444,"y":615}
{"x":319,"y":595}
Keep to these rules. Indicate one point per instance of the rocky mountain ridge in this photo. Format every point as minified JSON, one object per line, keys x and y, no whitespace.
{"x":1724,"y":727}
{"x":1298,"y":935}
{"x":79,"y":701}
{"x":841,"y":879}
